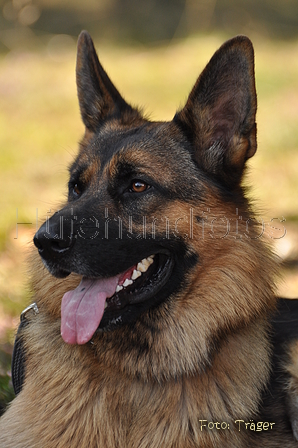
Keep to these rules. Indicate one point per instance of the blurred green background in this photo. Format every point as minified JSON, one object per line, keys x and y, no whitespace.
{"x":153,"y":51}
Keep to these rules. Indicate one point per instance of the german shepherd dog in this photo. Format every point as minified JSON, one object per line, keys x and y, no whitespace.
{"x":157,"y":323}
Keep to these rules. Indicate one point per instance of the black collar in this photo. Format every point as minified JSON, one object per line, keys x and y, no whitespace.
{"x":18,"y":354}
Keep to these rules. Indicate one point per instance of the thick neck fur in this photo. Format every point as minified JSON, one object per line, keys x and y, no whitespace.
{"x":141,"y":414}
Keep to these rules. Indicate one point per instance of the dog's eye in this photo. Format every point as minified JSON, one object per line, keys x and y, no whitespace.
{"x":76,"y":190}
{"x":139,"y":186}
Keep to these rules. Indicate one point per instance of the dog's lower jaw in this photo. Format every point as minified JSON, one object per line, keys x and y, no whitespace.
{"x":54,"y":270}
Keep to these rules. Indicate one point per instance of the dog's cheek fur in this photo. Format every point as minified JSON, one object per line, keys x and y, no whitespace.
{"x":218,"y":298}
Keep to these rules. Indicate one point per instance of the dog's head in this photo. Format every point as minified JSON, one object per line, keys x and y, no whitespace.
{"x":134,"y":225}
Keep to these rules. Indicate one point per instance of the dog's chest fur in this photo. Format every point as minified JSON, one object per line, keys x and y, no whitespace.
{"x":104,"y":409}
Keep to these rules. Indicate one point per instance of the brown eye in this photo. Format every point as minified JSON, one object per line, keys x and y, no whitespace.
{"x":138,"y":186}
{"x":76,"y":190}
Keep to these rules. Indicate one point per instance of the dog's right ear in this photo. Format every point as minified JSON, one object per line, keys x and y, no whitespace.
{"x":98,"y":97}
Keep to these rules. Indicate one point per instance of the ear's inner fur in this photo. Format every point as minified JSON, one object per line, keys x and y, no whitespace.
{"x":219,"y":116}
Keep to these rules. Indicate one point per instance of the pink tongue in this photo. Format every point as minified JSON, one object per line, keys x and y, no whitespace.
{"x":82,"y":309}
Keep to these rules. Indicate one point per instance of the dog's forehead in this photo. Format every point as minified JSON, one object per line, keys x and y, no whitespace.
{"x":112,"y":145}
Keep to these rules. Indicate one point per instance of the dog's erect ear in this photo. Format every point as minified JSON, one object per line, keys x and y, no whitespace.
{"x":98,"y":97}
{"x":219,"y":116}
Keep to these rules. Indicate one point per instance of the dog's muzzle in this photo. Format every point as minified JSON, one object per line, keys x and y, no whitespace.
{"x":54,"y":240}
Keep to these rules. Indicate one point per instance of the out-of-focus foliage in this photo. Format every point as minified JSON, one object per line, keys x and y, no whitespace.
{"x":24,"y":22}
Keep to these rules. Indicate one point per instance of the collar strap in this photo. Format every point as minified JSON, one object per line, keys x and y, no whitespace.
{"x":19,"y":355}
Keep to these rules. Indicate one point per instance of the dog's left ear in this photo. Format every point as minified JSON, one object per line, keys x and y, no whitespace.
{"x":98,"y":97}
{"x":219,"y":116}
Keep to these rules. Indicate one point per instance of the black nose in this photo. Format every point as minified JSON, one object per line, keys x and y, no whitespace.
{"x":45,"y":243}
{"x":52,"y":239}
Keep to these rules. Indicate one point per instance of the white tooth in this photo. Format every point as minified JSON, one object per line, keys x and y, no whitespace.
{"x":118,"y":288}
{"x":142,"y":267}
{"x":127,"y":282}
{"x":106,"y":305}
{"x":146,"y":262}
{"x":135,"y":274}
{"x":150,"y":259}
